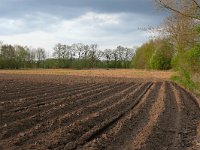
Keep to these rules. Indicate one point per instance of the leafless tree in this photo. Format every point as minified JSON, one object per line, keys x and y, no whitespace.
{"x":107,"y":55}
{"x":40,"y":54}
{"x":78,"y":48}
{"x":180,"y":31}
{"x":61,"y":51}
{"x":92,"y":54}
{"x":187,"y":8}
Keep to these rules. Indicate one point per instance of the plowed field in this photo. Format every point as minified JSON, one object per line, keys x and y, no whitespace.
{"x":88,"y":113}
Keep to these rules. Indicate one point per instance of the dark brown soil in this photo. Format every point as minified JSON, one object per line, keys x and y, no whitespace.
{"x":66,"y":112}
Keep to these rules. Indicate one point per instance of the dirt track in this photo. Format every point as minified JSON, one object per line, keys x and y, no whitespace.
{"x":42,"y":112}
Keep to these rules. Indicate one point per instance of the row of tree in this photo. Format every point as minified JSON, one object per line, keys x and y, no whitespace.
{"x":179,"y":38}
{"x":64,"y":56}
{"x":14,"y":57}
{"x":89,"y":56}
{"x":155,"y":54}
{"x":178,"y":44}
{"x":182,"y":27}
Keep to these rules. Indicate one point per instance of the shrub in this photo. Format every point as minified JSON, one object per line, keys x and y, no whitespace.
{"x":185,"y":79}
{"x":143,"y":54}
{"x":161,"y":58}
{"x":160,"y":62}
{"x":192,"y":59}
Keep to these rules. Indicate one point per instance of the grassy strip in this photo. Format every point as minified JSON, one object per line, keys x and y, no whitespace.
{"x":185,"y":79}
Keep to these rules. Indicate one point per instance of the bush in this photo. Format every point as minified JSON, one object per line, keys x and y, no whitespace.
{"x":51,"y":63}
{"x":175,"y":61}
{"x":143,"y":54}
{"x":161,"y":58}
{"x":192,"y":59}
{"x":156,"y":54}
{"x":160,"y":62}
{"x":188,"y":65}
{"x":185,"y":79}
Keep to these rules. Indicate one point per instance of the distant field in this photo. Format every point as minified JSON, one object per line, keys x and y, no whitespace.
{"x":123,"y":73}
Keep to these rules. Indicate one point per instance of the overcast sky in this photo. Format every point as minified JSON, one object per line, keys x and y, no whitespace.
{"x":109,"y":23}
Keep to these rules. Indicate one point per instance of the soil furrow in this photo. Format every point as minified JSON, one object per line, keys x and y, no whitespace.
{"x":77,"y":129}
{"x":23,"y":89}
{"x":12,"y":104}
{"x":189,"y":120}
{"x":177,"y":141}
{"x":155,"y":111}
{"x":63,"y":108}
{"x":56,"y":103}
{"x":13,"y":86}
{"x":47,"y":101}
{"x":115,"y":136}
{"x":73,"y":112}
{"x":99,"y":129}
{"x":75,"y":115}
{"x":163,"y":133}
{"x":47,"y":93}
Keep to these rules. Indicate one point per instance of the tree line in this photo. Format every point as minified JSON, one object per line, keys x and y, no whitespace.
{"x":177,"y":45}
{"x":64,"y":56}
{"x":155,"y":54}
{"x":15,"y":57}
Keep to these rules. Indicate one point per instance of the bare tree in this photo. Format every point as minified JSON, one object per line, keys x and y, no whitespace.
{"x":180,"y":26}
{"x":129,"y":52}
{"x":79,"y":49}
{"x":107,"y":55}
{"x":8,"y":52}
{"x":61,"y":51}
{"x":92,"y":53}
{"x":1,"y":44}
{"x":180,"y":30}
{"x":21,"y":55}
{"x":115,"y":56}
{"x":31,"y":54}
{"x":86,"y":51}
{"x":40,"y":56}
{"x":180,"y":7}
{"x":120,"y":52}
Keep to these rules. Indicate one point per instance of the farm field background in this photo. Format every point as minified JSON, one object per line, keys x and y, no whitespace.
{"x":122,"y":73}
{"x":98,"y":109}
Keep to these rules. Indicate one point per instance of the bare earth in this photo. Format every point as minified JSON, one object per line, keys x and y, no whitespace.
{"x":98,"y":109}
{"x":122,"y":73}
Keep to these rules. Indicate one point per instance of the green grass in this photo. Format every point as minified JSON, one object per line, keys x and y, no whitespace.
{"x":184,"y":78}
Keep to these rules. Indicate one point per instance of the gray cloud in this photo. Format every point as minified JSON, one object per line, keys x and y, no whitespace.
{"x":73,"y":8}
{"x":106,"y":22}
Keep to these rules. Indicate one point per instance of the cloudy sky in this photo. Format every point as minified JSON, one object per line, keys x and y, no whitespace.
{"x":43,"y":23}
